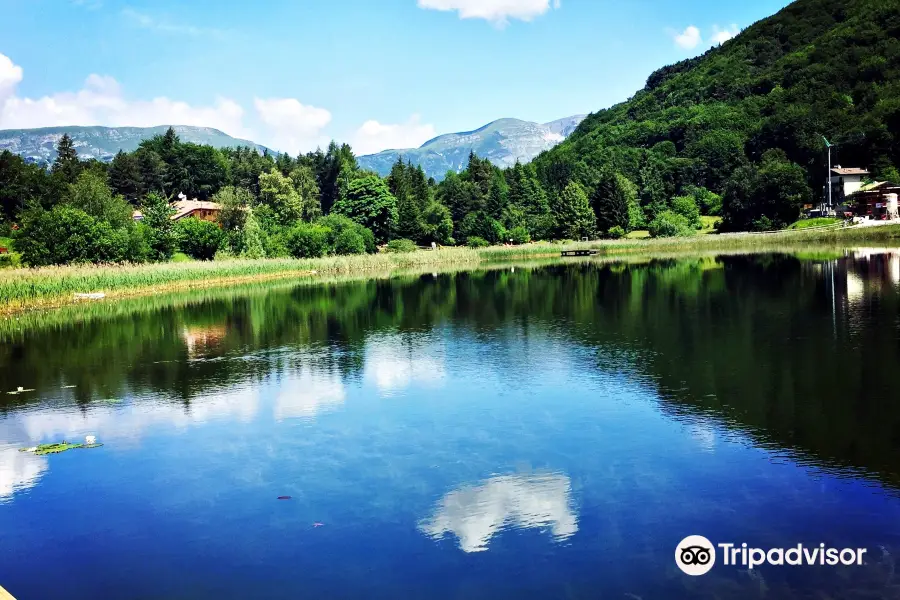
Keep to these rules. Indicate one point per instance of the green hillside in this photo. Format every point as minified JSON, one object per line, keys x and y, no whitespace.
{"x":817,"y":68}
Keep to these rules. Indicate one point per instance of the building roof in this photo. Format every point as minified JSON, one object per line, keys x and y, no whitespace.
{"x":185,"y":207}
{"x":849,"y":171}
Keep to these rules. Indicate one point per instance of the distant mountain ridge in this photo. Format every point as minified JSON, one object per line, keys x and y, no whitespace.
{"x":102,"y":143}
{"x":503,"y":142}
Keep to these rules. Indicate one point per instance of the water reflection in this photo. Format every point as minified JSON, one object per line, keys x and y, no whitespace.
{"x":309,"y":393}
{"x":475,"y":513}
{"x":394,"y":366}
{"x":747,"y":396}
{"x":19,"y":471}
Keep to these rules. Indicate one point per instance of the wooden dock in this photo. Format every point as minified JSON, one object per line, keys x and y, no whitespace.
{"x":4,"y":595}
{"x":567,"y":253}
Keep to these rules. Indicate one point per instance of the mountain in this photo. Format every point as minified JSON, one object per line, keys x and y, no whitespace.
{"x":502,"y":142}
{"x":816,"y":68}
{"x":103,"y":143}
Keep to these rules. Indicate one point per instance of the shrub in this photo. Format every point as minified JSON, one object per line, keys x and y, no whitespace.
{"x":477,"y":242}
{"x":368,"y":239}
{"x":400,"y":246}
{"x":11,"y":259}
{"x":199,"y":239}
{"x":519,"y":235}
{"x":349,"y":241}
{"x":67,"y":234}
{"x":306,"y":240}
{"x":616,"y":232}
{"x":686,"y":206}
{"x":670,"y":224}
{"x":338,"y":224}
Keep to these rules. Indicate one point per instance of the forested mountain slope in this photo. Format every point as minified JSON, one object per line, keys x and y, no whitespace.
{"x":817,"y":68}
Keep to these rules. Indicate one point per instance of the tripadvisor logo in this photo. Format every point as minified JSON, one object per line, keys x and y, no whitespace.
{"x":695,"y":555}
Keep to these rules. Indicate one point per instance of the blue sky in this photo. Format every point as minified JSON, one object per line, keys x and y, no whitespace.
{"x":379,"y":74}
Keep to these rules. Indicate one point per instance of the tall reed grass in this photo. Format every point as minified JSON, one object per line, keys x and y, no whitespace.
{"x":50,"y":286}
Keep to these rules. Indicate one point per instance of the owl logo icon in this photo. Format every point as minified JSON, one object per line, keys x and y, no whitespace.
{"x":695,"y":555}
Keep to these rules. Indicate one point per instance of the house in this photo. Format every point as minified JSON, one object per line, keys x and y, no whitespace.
{"x":199,"y":209}
{"x":873,"y":199}
{"x":844,"y":182}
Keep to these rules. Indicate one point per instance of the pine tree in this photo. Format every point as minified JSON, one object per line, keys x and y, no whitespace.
{"x":498,"y":195}
{"x":409,"y":218}
{"x":152,"y":170}
{"x":285,"y":163}
{"x":157,"y":217}
{"x":573,"y":214}
{"x":252,"y":233}
{"x":419,"y":186}
{"x":66,"y":164}
{"x":610,"y":202}
{"x":653,"y":192}
{"x":125,"y":177}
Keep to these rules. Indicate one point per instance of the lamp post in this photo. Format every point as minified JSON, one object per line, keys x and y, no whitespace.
{"x":828,"y":178}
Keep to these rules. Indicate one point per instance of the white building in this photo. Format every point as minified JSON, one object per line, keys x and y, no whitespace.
{"x":845,"y":181}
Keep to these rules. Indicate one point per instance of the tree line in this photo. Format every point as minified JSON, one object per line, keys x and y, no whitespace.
{"x":311,"y":205}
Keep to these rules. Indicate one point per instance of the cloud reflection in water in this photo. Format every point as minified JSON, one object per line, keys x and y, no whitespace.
{"x":475,"y":513}
{"x":19,"y":471}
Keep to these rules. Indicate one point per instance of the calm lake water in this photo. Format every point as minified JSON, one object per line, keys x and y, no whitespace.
{"x":543,"y":432}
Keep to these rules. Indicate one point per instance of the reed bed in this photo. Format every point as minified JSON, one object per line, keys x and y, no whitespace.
{"x":50,"y":286}
{"x":776,"y":241}
{"x":53,"y":286}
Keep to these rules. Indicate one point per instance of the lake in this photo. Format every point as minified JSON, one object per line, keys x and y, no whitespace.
{"x":544,"y":431}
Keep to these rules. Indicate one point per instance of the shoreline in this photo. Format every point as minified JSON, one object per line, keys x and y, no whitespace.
{"x":53,"y":287}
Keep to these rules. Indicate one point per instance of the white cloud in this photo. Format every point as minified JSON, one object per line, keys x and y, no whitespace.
{"x":496,"y":11}
{"x":690,"y":38}
{"x":374,"y":136}
{"x":475,"y":513}
{"x":720,"y":36}
{"x":167,"y":27}
{"x":288,"y":125}
{"x":10,"y":76}
{"x":293,"y":126}
{"x":100,"y":101}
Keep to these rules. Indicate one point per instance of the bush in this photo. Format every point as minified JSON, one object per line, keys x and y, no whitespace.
{"x":67,"y":234}
{"x":199,"y":239}
{"x":616,"y":232}
{"x":670,"y":224}
{"x":348,"y":242}
{"x":686,"y":206}
{"x":477,"y":242}
{"x":519,"y":235}
{"x":338,"y":224}
{"x":401,"y":246}
{"x":306,"y":240}
{"x":11,"y":259}
{"x":368,"y":239}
